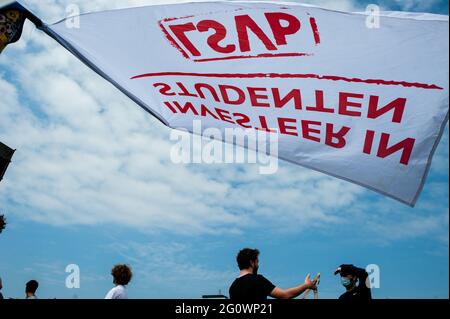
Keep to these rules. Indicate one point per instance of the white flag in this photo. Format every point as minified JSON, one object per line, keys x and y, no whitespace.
{"x":358,"y":99}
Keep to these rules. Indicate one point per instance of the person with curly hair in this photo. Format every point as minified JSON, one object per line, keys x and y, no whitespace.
{"x":121,"y":277}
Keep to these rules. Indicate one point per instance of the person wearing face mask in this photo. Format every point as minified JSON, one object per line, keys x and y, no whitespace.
{"x":251,"y":287}
{"x":355,"y":281}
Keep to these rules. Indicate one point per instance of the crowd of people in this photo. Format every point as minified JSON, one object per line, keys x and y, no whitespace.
{"x":249,"y":286}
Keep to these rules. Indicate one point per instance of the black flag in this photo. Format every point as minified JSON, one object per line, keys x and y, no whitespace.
{"x":12,"y":18}
{"x":6,"y":154}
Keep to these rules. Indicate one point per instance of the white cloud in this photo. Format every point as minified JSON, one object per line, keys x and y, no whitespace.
{"x":407,"y":228}
{"x":383,"y":221}
{"x":417,"y":5}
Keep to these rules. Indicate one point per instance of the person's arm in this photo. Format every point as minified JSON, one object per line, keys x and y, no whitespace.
{"x":293,"y":292}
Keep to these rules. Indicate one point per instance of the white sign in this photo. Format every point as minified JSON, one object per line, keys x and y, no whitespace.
{"x":367,"y":105}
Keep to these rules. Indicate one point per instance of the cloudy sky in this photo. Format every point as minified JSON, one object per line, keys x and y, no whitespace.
{"x":92,"y":184}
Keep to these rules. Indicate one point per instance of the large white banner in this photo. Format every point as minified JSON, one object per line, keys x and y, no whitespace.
{"x":358,"y":98}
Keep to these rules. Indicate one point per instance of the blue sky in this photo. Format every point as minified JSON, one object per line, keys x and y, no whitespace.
{"x":90,"y":185}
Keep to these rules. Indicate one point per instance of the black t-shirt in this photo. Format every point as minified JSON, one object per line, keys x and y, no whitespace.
{"x":359,"y":293}
{"x":251,"y":288}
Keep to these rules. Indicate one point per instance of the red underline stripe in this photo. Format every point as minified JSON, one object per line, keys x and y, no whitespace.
{"x":293,"y":76}
{"x":264,"y":55}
